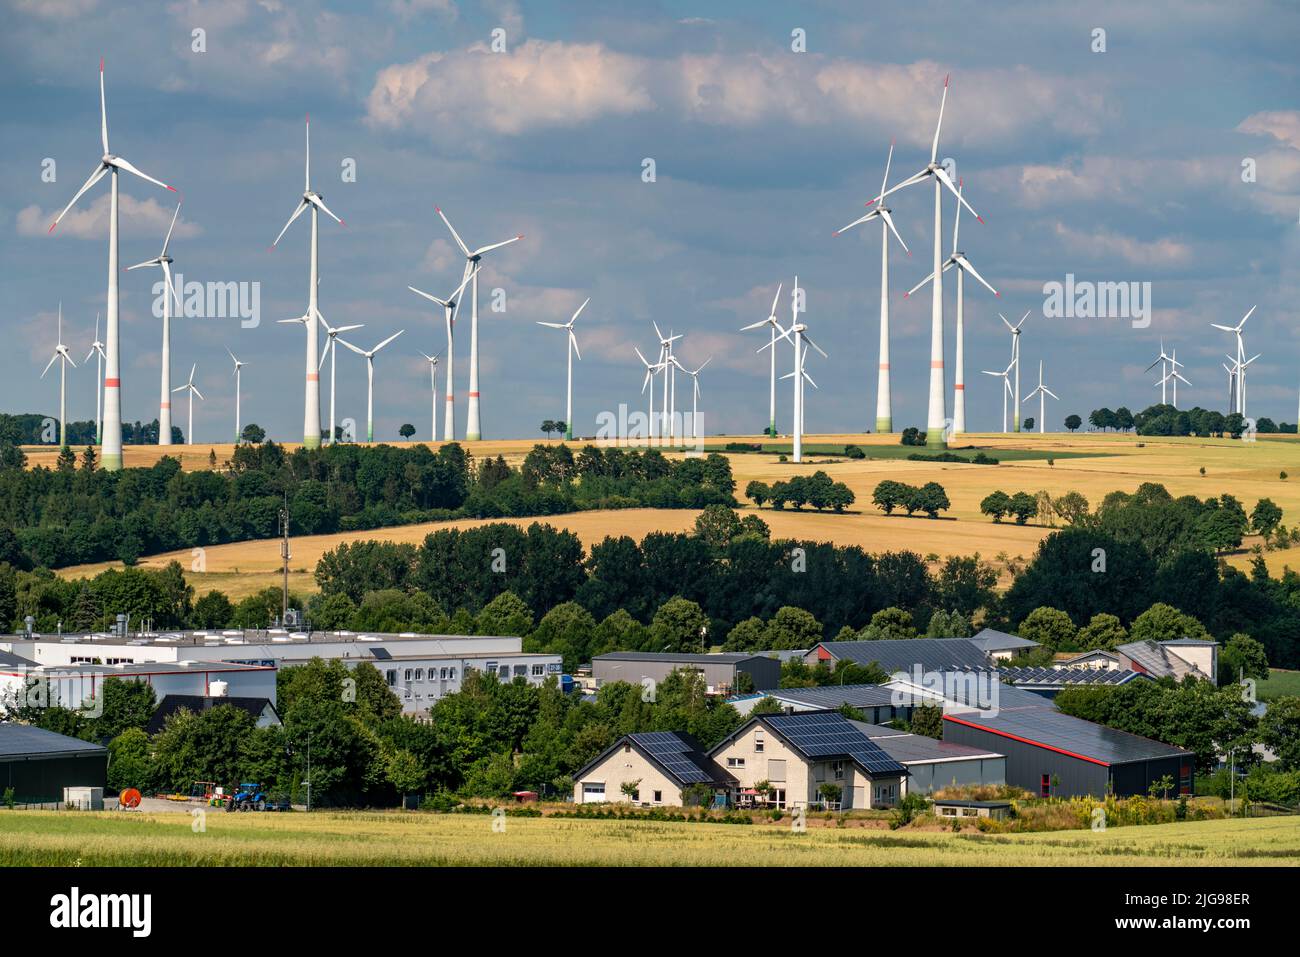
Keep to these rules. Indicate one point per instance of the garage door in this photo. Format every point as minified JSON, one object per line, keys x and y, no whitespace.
{"x":593,"y":793}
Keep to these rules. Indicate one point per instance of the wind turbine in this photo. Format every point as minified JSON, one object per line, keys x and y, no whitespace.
{"x":193,"y":391}
{"x":695,"y":396}
{"x":433,"y":384}
{"x":1173,"y":375}
{"x":62,"y":356}
{"x":97,"y":349}
{"x":650,"y":370}
{"x":238,"y":376}
{"x":1238,"y":398}
{"x":573,"y":347}
{"x":936,"y":419}
{"x":1164,"y":372}
{"x":473,"y":431}
{"x":1042,"y":392}
{"x":370,"y":379}
{"x":1241,"y":381}
{"x":803,"y":396}
{"x":169,"y":293}
{"x":449,"y":316}
{"x":331,"y":350}
{"x":884,"y":399}
{"x":1015,"y":361}
{"x":313,"y":201}
{"x":774,"y":325}
{"x":1232,"y":384}
{"x":958,"y":259}
{"x":1005,"y":376}
{"x":670,"y":391}
{"x":111,"y":456}
{"x":797,"y":334}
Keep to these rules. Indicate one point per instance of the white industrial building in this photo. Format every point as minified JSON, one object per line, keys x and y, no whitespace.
{"x":80,"y":686}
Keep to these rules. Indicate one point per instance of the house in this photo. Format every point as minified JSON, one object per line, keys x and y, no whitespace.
{"x":932,"y":764}
{"x":261,"y":709}
{"x":1000,"y":646}
{"x":944,"y":808}
{"x":876,"y":702}
{"x":906,"y":655}
{"x":721,"y":671}
{"x":38,"y":764}
{"x":1053,"y":754}
{"x":1048,"y":682}
{"x":657,"y":767}
{"x":809,"y":759}
{"x":1175,"y":659}
{"x":1097,"y":658}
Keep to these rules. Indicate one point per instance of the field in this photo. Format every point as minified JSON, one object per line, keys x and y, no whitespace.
{"x":1280,"y":684}
{"x":1091,"y":463}
{"x":61,"y":838}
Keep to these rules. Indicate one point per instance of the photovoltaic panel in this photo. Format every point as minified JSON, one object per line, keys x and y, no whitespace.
{"x":680,"y":757}
{"x":831,"y":735}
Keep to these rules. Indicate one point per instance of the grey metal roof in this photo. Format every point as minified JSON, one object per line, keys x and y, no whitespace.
{"x":1189,"y":642}
{"x":822,"y":735}
{"x":1156,"y":659}
{"x":972,"y":691}
{"x":720,"y":658}
{"x":990,"y":640}
{"x":22,"y":740}
{"x":1068,"y":677}
{"x":832,"y":696}
{"x":908,"y":654}
{"x":918,"y":749}
{"x":1053,"y":729}
{"x":9,"y":660}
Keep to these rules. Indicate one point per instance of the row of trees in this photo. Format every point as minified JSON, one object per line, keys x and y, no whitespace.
{"x":929,"y":498}
{"x":818,"y":490}
{"x":1165,"y":419}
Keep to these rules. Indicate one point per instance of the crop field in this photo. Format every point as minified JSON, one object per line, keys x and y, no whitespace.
{"x":60,"y":838}
{"x":1280,"y":684}
{"x":1091,"y":463}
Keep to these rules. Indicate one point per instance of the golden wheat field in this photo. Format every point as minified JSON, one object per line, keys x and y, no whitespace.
{"x":60,"y":838}
{"x":1090,"y":463}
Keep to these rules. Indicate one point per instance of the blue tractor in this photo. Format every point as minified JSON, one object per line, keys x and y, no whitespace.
{"x":248,"y":797}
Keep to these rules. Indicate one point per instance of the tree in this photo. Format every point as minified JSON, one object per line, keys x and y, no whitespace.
{"x":717,"y":525}
{"x":929,"y":498}
{"x":965,"y":584}
{"x":1103,"y":631}
{"x":678,"y":625}
{"x":1279,"y":731}
{"x":1050,"y":627}
{"x":548,"y":426}
{"x":1029,"y":424}
{"x":253,"y":433}
{"x":996,"y":504}
{"x":792,"y":628}
{"x":889,"y":623}
{"x":214,"y":610}
{"x":129,"y":762}
{"x":1163,"y":622}
{"x":928,"y":721}
{"x":748,"y":635}
{"x":404,"y":771}
{"x":631,"y":789}
{"x":1023,"y":506}
{"x":889,"y":495}
{"x":948,"y":624}
{"x":1073,"y":507}
{"x":1242,"y":657}
{"x":506,"y":614}
{"x":1265,"y":517}
{"x":759,"y":492}
{"x":1072,"y":422}
{"x":406,"y":430}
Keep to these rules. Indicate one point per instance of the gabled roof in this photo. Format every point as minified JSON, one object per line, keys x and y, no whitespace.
{"x":822,"y":736}
{"x":27,"y":741}
{"x":678,"y":755}
{"x":197,"y":704}
{"x":990,"y":640}
{"x":1095,"y":743}
{"x":1157,"y":660}
{"x":1067,"y":677}
{"x":832,"y":696}
{"x":908,"y":654}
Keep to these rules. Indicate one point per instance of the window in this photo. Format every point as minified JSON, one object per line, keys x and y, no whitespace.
{"x":758,"y":741}
{"x":419,"y":674}
{"x":407,"y":675}
{"x":659,"y":797}
{"x":539,"y":671}
{"x":777,"y":797}
{"x":1045,"y":786}
{"x":735,"y":762}
{"x":948,"y":811}
{"x":503,"y":671}
{"x":969,"y":812}
{"x":837,"y":768}
{"x":443,"y":674}
{"x":636,"y":797}
{"x":521,"y":671}
{"x":451,"y":674}
{"x":391,"y":675}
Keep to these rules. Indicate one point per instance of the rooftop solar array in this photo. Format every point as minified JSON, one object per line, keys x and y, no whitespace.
{"x":1061,"y":677}
{"x":1157,"y":660}
{"x":1056,"y":730}
{"x":680,"y":756}
{"x":832,"y":696}
{"x":909,"y":654}
{"x":826,"y":735}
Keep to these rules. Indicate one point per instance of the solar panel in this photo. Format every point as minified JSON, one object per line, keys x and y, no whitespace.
{"x":680,"y":757}
{"x":381,"y":654}
{"x":829,"y":735}
{"x":1057,"y":730}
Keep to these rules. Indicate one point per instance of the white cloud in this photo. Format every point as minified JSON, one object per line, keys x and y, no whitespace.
{"x":1282,"y":125}
{"x":1099,"y":243}
{"x":136,"y":218}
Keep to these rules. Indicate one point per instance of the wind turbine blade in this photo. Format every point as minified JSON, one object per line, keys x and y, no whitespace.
{"x":463,"y":283}
{"x":580,"y":308}
{"x":1006,"y":323}
{"x":918,"y":285}
{"x":348,"y":345}
{"x":702,"y":365}
{"x":814,"y":345}
{"x":573,"y":340}
{"x":329,"y":344}
{"x":965,"y":264}
{"x":552,"y":325}
{"x":358,"y":325}
{"x":1153,"y":365}
{"x":320,"y":204}
{"x":180,"y":388}
{"x":103,"y":108}
{"x":50,"y":363}
{"x":889,"y":220}
{"x":1022,"y":319}
{"x":388,"y":340}
{"x":1051,"y":393}
{"x":94,"y":178}
{"x":1245,"y":317}
{"x":947,"y":181}
{"x":755,"y":325}
{"x":147,"y":262}
{"x":956,"y":219}
{"x":1224,"y":328}
{"x":454,"y":235}
{"x":120,"y":163}
{"x":419,"y":292}
{"x":884,"y":183}
{"x":810,"y":381}
{"x":168,"y":239}
{"x":844,"y":229}
{"x":197,"y":392}
{"x":775,"y":299}
{"x":641,"y":357}
{"x":934,"y":147}
{"x":302,"y":204}
{"x":487,"y":249}
{"x":911,"y":180}
{"x":192,"y":369}
{"x":167,"y":278}
{"x":306,"y":164}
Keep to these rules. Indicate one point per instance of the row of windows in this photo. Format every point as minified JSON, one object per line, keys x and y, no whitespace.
{"x":449,"y":673}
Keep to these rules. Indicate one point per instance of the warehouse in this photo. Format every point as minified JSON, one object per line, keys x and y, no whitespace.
{"x":36,"y":765}
{"x":1055,"y":755}
{"x":932,"y":764}
{"x":907,"y":655}
{"x":876,"y":703}
{"x":722,"y":672}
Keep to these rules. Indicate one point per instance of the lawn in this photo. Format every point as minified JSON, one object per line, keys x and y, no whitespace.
{"x":157,"y":840}
{"x":1280,"y":684}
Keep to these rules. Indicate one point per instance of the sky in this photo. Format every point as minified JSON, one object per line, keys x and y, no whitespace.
{"x":1170,"y":157}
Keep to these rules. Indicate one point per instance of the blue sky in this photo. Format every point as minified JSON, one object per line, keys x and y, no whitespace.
{"x":1123,"y":165}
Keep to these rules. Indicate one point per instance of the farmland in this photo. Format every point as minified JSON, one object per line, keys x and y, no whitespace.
{"x":324,"y":838}
{"x":1091,"y":463}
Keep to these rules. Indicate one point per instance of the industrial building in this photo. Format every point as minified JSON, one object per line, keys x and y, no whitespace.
{"x":1049,"y":682}
{"x":1052,"y":754}
{"x":906,"y":655}
{"x":80,"y":686}
{"x":876,"y":703}
{"x":656,"y":767}
{"x":721,"y":671}
{"x":932,"y":764}
{"x":37,"y":765}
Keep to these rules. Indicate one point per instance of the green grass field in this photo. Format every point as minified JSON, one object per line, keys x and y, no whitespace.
{"x":50,"y":838}
{"x":1280,"y":684}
